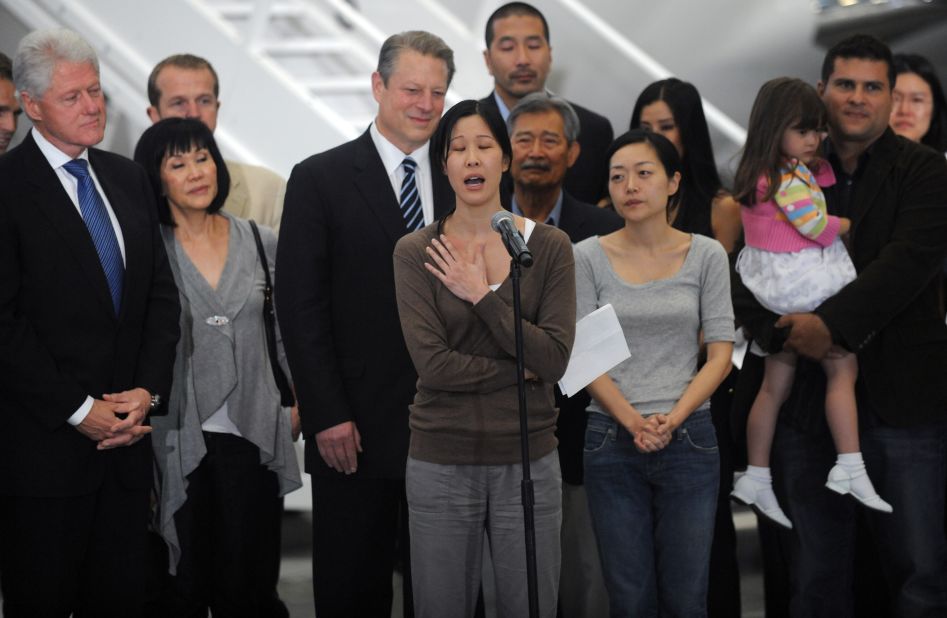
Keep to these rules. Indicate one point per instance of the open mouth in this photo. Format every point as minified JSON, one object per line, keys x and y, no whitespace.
{"x":474,"y":181}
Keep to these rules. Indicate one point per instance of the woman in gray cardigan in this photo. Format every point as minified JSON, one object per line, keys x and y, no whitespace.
{"x":224,"y":452}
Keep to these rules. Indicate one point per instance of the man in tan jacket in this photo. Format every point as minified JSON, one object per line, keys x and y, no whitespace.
{"x":186,"y":86}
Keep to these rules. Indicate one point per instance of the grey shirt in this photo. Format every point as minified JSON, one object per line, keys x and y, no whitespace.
{"x":662,"y":320}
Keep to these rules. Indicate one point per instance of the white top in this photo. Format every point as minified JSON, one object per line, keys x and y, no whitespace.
{"x":528,"y":228}
{"x":220,"y":422}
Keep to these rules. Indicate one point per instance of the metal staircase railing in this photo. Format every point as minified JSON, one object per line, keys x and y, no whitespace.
{"x":326,"y":48}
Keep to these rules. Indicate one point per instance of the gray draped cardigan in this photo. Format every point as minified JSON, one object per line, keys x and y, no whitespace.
{"x":220,"y":360}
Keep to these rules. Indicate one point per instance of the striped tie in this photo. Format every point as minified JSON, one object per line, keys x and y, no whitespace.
{"x":410,"y":197}
{"x":96,"y":218}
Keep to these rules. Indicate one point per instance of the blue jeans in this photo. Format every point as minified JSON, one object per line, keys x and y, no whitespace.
{"x":908,"y":467}
{"x":909,"y":470}
{"x":653,"y":515}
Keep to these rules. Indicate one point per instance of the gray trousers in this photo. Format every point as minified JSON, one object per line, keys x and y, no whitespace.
{"x":450,"y":507}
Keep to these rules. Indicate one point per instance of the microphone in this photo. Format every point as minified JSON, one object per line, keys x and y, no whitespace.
{"x":502,"y":223}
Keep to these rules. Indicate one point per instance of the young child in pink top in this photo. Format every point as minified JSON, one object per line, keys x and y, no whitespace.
{"x":793,"y":261}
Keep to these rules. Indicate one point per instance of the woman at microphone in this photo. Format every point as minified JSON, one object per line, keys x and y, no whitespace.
{"x":456,"y":306}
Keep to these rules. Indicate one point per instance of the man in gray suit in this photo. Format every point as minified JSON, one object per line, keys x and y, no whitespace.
{"x":543,"y":132}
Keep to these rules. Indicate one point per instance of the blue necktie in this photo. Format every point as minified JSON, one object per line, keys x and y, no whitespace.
{"x":96,"y":218}
{"x":410,"y":197}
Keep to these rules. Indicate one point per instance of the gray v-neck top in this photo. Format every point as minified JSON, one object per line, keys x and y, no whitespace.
{"x":662,"y":320}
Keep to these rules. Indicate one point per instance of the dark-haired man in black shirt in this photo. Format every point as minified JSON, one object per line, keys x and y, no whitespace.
{"x":895,"y":192}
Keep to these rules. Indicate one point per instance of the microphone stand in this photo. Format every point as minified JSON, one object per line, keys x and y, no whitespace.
{"x":526,"y":488}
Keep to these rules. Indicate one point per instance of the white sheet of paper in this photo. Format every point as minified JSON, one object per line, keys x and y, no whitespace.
{"x":741,"y":346}
{"x":599,"y":346}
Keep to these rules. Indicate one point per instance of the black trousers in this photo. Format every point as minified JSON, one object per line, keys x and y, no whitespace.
{"x":723,"y":589}
{"x":229,"y":533}
{"x":80,"y":555}
{"x":359,"y":535}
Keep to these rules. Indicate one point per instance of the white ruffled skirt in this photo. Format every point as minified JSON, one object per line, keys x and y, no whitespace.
{"x":795,"y":282}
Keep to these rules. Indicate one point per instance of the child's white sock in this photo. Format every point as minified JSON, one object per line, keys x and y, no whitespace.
{"x":850,"y":476}
{"x":756,"y":488}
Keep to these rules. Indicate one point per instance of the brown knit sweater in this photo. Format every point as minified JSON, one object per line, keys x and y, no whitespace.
{"x":466,"y":410}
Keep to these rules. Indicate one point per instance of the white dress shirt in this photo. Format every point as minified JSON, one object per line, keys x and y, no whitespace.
{"x":392,"y":158}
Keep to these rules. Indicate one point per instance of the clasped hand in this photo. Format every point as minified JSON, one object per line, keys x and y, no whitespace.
{"x":104,"y":425}
{"x":463,"y":273}
{"x":654,"y":433}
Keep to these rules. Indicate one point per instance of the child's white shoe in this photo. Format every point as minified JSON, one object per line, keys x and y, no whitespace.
{"x":858,"y":485}
{"x":758,"y":493}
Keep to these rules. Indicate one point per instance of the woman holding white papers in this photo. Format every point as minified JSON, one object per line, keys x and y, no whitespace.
{"x":651,"y":461}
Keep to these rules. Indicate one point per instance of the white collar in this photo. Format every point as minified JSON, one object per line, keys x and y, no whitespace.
{"x":56,"y":157}
{"x":392,"y":157}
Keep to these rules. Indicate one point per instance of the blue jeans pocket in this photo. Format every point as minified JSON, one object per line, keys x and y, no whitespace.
{"x":598,"y":433}
{"x":699,"y":433}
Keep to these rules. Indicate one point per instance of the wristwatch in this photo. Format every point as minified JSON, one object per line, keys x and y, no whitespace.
{"x":155,"y":402}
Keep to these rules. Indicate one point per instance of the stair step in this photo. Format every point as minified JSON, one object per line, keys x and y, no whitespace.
{"x":338,"y":85}
{"x":307,"y":47}
{"x":243,"y":10}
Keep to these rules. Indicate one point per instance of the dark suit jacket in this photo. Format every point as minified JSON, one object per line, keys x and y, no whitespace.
{"x":580,"y":221}
{"x":60,"y":339}
{"x":336,"y":303}
{"x":890,"y":314}
{"x":588,"y":176}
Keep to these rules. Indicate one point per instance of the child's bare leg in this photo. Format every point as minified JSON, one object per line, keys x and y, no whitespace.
{"x":755,"y":488}
{"x":778,"y":374}
{"x":848,"y":476}
{"x":841,"y":412}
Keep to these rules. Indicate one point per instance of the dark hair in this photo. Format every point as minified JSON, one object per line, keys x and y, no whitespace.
{"x":861,"y":47}
{"x":181,"y":61}
{"x":173,"y":136}
{"x":6,"y":67}
{"x":936,"y":136}
{"x":782,"y":103}
{"x":667,"y":155}
{"x":700,"y":181}
{"x":510,"y":9}
{"x":440,"y":143}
